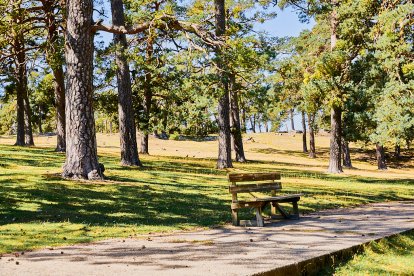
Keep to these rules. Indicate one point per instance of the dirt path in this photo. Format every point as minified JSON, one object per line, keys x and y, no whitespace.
{"x":224,"y":251}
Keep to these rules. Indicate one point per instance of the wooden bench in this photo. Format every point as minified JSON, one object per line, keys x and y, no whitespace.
{"x":260,"y":182}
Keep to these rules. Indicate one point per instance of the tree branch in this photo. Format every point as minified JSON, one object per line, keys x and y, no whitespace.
{"x":165,"y":22}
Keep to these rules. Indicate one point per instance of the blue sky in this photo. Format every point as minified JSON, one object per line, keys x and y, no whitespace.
{"x":285,"y":24}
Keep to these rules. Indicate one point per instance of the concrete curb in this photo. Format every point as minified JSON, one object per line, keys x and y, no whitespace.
{"x":315,"y":265}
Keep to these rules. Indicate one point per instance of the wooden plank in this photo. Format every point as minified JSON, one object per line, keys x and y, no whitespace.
{"x":243,"y":177}
{"x":259,"y":187}
{"x":294,"y":197}
{"x":247,"y":204}
{"x":260,"y":202}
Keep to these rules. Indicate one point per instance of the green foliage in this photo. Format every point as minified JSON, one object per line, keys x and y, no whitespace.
{"x":7,"y":117}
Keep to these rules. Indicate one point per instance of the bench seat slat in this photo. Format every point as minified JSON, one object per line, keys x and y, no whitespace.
{"x":261,"y":201}
{"x":259,"y":187}
{"x":276,"y":198}
{"x":243,"y":177}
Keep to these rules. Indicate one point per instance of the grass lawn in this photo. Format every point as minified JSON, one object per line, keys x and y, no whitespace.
{"x":392,"y":256}
{"x":39,"y":209}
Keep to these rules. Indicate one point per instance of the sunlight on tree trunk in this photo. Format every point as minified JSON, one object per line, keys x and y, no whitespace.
{"x":224,"y":139}
{"x":304,"y":142}
{"x":381,"y":162}
{"x":312,"y":152}
{"x":81,"y":152}
{"x":127,"y":130}
{"x":235,"y":121}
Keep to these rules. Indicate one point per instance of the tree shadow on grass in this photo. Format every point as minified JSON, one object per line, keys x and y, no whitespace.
{"x":169,"y":191}
{"x":98,"y":204}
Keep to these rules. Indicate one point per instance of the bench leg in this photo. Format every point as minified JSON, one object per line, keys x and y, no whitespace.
{"x":295,"y":209}
{"x":259,"y":217}
{"x":234,"y":218}
{"x":272,"y":210}
{"x":280,"y":210}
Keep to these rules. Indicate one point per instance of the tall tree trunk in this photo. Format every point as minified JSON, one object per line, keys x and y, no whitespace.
{"x":235,"y":121}
{"x":243,"y":123}
{"x":147,"y":98}
{"x":40,"y":121}
{"x":397,"y":153}
{"x":346,"y":153}
{"x":224,"y":152}
{"x":55,"y":61}
{"x":21,"y":90}
{"x":292,"y":121}
{"x":335,"y":165}
{"x":20,"y":74}
{"x":59,"y":88}
{"x":259,"y":122}
{"x":254,"y":123}
{"x":380,"y":152}
{"x":81,"y":150}
{"x":312,"y":152}
{"x":304,"y":142}
{"x":127,"y":130}
{"x":28,"y":128}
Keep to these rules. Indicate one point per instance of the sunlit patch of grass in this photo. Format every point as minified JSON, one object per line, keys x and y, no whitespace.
{"x":40,"y":209}
{"x":391,"y":256}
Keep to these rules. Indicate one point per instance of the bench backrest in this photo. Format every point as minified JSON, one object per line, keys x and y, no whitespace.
{"x":256,"y":182}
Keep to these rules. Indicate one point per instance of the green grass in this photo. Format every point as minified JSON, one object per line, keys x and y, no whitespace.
{"x":390,"y":256}
{"x":39,"y":209}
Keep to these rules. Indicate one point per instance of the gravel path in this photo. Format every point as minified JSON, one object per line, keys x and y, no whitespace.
{"x":224,"y":251}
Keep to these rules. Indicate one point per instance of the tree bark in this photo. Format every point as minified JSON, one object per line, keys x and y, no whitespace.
{"x":397,"y":153}
{"x":144,"y":149}
{"x":259,"y":123}
{"x":236,"y":134}
{"x":20,"y":91}
{"x":380,"y":152}
{"x":312,"y":152}
{"x":243,"y":123}
{"x":304,"y":142}
{"x":346,"y":154}
{"x":292,"y":121}
{"x":55,"y":60}
{"x":40,"y":121}
{"x":20,"y":73}
{"x":28,"y":128}
{"x":224,"y":152}
{"x":253,"y":122}
{"x":81,"y":150}
{"x":59,"y":88}
{"x":127,"y":130}
{"x":335,"y":165}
